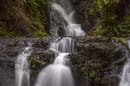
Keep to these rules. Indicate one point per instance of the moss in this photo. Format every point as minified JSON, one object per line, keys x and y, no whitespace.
{"x":4,"y":32}
{"x":91,"y":12}
{"x":93,"y":74}
{"x":35,"y":8}
{"x":40,"y":33}
{"x":109,"y":23}
{"x":36,"y":62}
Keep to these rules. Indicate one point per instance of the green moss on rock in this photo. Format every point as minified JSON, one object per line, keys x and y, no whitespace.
{"x":36,"y":62}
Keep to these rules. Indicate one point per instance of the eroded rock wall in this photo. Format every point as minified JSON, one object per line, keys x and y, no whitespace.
{"x":97,"y":62}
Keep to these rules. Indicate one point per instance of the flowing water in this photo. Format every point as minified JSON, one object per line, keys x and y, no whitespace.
{"x":58,"y":73}
{"x":62,"y":16}
{"x":22,"y":71}
{"x":65,"y":44}
{"x":125,"y":78}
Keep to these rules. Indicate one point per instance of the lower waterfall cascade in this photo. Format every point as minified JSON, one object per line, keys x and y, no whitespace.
{"x":22,"y":70}
{"x":58,"y":69}
{"x":56,"y":74}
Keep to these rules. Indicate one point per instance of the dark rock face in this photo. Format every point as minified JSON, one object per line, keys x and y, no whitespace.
{"x":81,"y":7}
{"x":98,"y":62}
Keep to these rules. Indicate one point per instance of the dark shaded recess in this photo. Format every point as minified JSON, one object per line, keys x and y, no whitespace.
{"x":81,"y":7}
{"x":122,"y":9}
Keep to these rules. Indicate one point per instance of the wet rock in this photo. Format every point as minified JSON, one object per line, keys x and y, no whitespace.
{"x":98,"y":62}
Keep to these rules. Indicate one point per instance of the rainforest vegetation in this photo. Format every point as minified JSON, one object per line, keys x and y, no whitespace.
{"x":113,"y":17}
{"x":20,"y":18}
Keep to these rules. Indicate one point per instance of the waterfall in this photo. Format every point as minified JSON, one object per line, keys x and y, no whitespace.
{"x":125,"y":78}
{"x":22,"y":72}
{"x":63,"y":18}
{"x":65,"y":44}
{"x":58,"y":73}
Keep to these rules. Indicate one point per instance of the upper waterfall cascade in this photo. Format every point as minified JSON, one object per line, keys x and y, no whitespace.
{"x":71,"y":28}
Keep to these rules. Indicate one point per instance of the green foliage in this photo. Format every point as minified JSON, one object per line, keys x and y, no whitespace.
{"x":35,"y":7}
{"x":40,"y":33}
{"x":93,"y":74}
{"x":108,"y":24}
{"x":36,"y":62}
{"x":4,"y":32}
{"x":2,"y":29}
{"x":15,"y":14}
{"x":123,"y":28}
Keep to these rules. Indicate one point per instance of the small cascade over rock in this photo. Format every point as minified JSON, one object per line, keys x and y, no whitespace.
{"x":125,"y":78}
{"x":64,"y":45}
{"x":22,"y":71}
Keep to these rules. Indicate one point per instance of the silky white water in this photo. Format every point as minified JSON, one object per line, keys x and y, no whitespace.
{"x":65,"y":44}
{"x":22,"y":71}
{"x":72,"y":28}
{"x":125,"y":78}
{"x":58,"y":73}
{"x":67,"y":17}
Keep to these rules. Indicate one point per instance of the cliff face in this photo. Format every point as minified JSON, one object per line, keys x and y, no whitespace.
{"x":97,"y":61}
{"x":23,"y":18}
